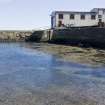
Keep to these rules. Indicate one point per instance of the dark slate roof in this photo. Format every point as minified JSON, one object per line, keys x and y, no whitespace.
{"x":74,"y":12}
{"x":99,"y":8}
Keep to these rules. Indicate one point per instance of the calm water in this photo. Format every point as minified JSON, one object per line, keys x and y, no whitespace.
{"x":30,"y":77}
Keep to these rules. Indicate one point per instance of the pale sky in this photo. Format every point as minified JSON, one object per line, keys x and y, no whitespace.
{"x":34,"y":14}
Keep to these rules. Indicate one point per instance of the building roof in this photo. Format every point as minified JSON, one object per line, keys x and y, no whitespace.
{"x":71,"y":12}
{"x":76,"y":12}
{"x":97,"y":9}
{"x":93,"y":11}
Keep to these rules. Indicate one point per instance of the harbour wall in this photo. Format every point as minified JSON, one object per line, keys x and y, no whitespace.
{"x":88,"y":36}
{"x":14,"y":35}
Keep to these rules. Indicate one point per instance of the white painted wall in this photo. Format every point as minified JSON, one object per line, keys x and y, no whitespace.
{"x":77,"y":22}
{"x":103,"y":17}
{"x":100,"y":12}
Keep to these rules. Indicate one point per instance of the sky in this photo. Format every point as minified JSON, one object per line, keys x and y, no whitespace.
{"x":35,"y":14}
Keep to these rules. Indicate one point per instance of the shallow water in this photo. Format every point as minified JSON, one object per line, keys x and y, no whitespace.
{"x":31,"y":77}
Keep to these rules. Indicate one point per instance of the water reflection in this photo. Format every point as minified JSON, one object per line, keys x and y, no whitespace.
{"x":22,"y":68}
{"x":31,"y":65}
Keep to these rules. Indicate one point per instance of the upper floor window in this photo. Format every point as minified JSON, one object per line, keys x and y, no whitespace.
{"x":93,"y":17}
{"x":82,"y":17}
{"x":60,"y":16}
{"x":99,"y":16}
{"x":72,"y":16}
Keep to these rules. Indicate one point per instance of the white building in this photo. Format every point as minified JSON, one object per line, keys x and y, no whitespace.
{"x":78,"y":19}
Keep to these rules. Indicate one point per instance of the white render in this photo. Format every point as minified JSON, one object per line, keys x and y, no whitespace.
{"x":77,"y":21}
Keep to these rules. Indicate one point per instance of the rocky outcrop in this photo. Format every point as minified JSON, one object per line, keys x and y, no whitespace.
{"x":35,"y":37}
{"x":39,"y":36}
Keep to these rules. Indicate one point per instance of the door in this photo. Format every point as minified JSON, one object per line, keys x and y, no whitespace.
{"x":59,"y":23}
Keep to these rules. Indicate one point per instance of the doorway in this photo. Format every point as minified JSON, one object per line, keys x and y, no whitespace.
{"x":59,"y":23}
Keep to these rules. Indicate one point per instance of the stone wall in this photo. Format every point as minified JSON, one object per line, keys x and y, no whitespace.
{"x":14,"y":35}
{"x":87,"y":36}
{"x":92,"y":36}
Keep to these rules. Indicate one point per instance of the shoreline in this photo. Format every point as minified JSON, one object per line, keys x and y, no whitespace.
{"x":88,"y":56}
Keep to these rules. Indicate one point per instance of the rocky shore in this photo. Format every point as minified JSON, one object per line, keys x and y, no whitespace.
{"x":90,"y":56}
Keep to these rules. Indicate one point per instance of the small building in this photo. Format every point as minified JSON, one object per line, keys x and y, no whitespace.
{"x":96,"y":17}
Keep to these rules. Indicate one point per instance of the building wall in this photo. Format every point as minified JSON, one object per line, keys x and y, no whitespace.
{"x":54,"y":21}
{"x":101,"y":12}
{"x":77,"y":21}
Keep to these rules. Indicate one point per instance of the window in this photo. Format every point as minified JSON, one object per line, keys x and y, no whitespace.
{"x":82,"y":17}
{"x":60,"y":16}
{"x":72,"y":16}
{"x":93,"y":17}
{"x":100,"y":20}
{"x":99,"y":16}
